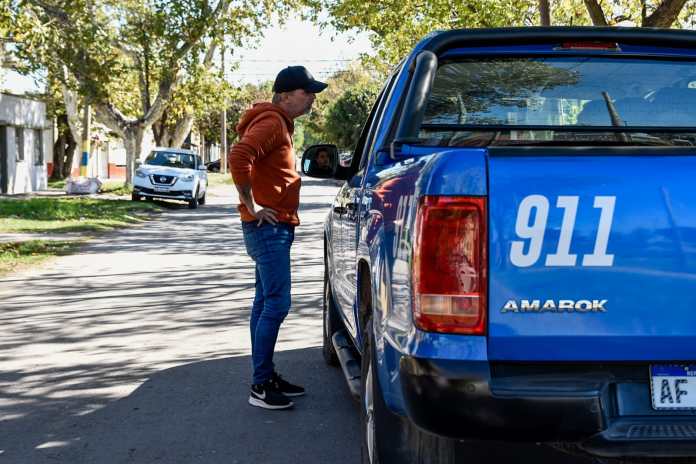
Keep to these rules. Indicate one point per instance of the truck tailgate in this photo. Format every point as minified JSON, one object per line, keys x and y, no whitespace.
{"x":592,"y":255}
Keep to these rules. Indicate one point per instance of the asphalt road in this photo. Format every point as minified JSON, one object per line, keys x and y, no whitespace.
{"x":136,"y":350}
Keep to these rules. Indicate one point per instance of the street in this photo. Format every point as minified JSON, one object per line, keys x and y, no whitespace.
{"x":136,"y":350}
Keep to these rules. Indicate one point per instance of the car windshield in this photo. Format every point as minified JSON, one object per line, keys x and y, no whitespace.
{"x":556,"y":100}
{"x":171,"y":159}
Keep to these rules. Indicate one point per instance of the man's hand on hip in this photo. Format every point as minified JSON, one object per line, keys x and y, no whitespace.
{"x":266,"y":215}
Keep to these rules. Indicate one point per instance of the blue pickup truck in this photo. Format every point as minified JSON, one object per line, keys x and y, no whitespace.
{"x":513,"y":253}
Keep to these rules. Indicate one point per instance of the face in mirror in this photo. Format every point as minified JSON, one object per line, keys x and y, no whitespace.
{"x":320,"y":161}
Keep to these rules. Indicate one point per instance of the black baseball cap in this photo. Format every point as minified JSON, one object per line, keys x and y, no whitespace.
{"x":297,"y":77}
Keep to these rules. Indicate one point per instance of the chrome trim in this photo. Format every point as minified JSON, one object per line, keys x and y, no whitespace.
{"x":153,"y":176}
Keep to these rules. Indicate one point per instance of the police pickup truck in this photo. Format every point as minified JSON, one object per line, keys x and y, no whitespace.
{"x":513,"y":253}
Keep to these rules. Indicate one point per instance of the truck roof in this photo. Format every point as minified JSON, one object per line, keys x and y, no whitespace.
{"x":443,"y":40}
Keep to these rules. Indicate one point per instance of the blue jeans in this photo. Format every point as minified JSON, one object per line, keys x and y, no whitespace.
{"x":269,"y":247}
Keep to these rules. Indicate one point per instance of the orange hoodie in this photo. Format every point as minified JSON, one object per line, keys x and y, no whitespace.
{"x":264,"y":158}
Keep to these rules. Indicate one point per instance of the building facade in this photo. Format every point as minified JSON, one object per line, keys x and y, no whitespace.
{"x":26,"y":144}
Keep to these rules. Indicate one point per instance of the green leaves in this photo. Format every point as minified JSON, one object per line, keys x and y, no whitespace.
{"x":395,"y":26}
{"x":347,"y":115}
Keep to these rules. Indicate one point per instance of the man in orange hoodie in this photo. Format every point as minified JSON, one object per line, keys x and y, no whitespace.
{"x":263,"y":168}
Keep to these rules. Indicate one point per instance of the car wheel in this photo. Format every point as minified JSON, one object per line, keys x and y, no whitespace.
{"x":331,"y":324}
{"x":387,"y":437}
{"x":193,"y":202}
{"x":201,"y":201}
{"x":377,"y":422}
{"x":135,"y":196}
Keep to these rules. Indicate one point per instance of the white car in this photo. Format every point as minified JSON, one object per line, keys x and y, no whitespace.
{"x":173,"y":174}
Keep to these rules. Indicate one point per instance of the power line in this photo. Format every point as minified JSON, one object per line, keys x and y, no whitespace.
{"x":298,"y":60}
{"x":317,"y":73}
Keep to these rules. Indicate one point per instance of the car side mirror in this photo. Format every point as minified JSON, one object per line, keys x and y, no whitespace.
{"x":201,"y":167}
{"x":320,"y":161}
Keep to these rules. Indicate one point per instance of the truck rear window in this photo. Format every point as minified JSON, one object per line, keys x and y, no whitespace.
{"x":562,"y":100}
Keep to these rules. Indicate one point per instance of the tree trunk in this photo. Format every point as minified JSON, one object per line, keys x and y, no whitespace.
{"x":58,"y":156}
{"x":596,"y":13}
{"x":133,"y":141}
{"x":665,"y":14}
{"x":181,"y":131}
{"x":159,"y":131}
{"x":59,"y":147}
{"x":71,"y":110}
{"x":69,"y":155}
{"x":545,"y":12}
{"x":63,"y":150}
{"x":174,"y":137}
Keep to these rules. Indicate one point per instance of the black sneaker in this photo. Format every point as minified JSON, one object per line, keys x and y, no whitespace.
{"x":285,"y":387}
{"x":266,"y":396}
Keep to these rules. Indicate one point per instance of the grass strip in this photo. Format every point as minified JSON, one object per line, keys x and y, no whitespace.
{"x":215,"y":178}
{"x":14,"y":256}
{"x":70,"y":214}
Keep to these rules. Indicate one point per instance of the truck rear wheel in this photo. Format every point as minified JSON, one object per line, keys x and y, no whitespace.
{"x":388,"y":438}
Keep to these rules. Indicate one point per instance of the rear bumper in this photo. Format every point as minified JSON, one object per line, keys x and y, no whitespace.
{"x":463,"y":400}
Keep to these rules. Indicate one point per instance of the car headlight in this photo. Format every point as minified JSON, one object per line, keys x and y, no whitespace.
{"x":187,"y":178}
{"x":139,"y":173}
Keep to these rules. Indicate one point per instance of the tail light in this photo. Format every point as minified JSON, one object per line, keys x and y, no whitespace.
{"x":589,"y":45}
{"x":449,"y":265}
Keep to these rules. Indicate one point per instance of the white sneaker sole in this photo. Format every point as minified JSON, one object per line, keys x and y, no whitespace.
{"x":261,"y":404}
{"x":293,"y":394}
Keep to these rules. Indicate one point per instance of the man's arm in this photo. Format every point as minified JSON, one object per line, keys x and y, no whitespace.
{"x":256,"y":143}
{"x":247,"y":199}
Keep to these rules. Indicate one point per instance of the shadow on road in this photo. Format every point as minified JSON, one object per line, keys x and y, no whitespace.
{"x":136,"y":351}
{"x":198,"y":413}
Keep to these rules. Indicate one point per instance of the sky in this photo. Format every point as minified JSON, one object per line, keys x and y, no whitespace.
{"x":297,"y":42}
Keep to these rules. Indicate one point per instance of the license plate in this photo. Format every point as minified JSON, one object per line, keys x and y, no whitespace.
{"x":162,"y":190}
{"x":673,"y":386}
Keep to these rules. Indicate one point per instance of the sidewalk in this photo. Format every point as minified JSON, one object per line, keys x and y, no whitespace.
{"x":18,"y":237}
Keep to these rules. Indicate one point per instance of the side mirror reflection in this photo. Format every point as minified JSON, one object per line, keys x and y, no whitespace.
{"x":320,"y":161}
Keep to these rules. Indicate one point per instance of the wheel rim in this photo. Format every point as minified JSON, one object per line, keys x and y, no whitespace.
{"x":369,"y":415}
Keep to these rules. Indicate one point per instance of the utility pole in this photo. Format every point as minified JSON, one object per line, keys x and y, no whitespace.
{"x":202,"y":143}
{"x":86,"y":126}
{"x":223,"y":117}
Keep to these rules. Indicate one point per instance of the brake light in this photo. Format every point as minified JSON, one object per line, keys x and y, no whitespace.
{"x":449,"y":266}
{"x":590,"y":46}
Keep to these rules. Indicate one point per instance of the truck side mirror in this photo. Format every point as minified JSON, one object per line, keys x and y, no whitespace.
{"x":320,"y":161}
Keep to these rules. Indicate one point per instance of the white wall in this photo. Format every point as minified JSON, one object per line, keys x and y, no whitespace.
{"x":28,"y":115}
{"x":117,"y":152}
{"x":17,"y":111}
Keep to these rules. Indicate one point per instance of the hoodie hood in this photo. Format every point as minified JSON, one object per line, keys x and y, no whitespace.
{"x":256,"y":110}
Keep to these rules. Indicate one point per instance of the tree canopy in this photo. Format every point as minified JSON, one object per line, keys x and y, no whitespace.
{"x":106,"y":49}
{"x":396,"y":25}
